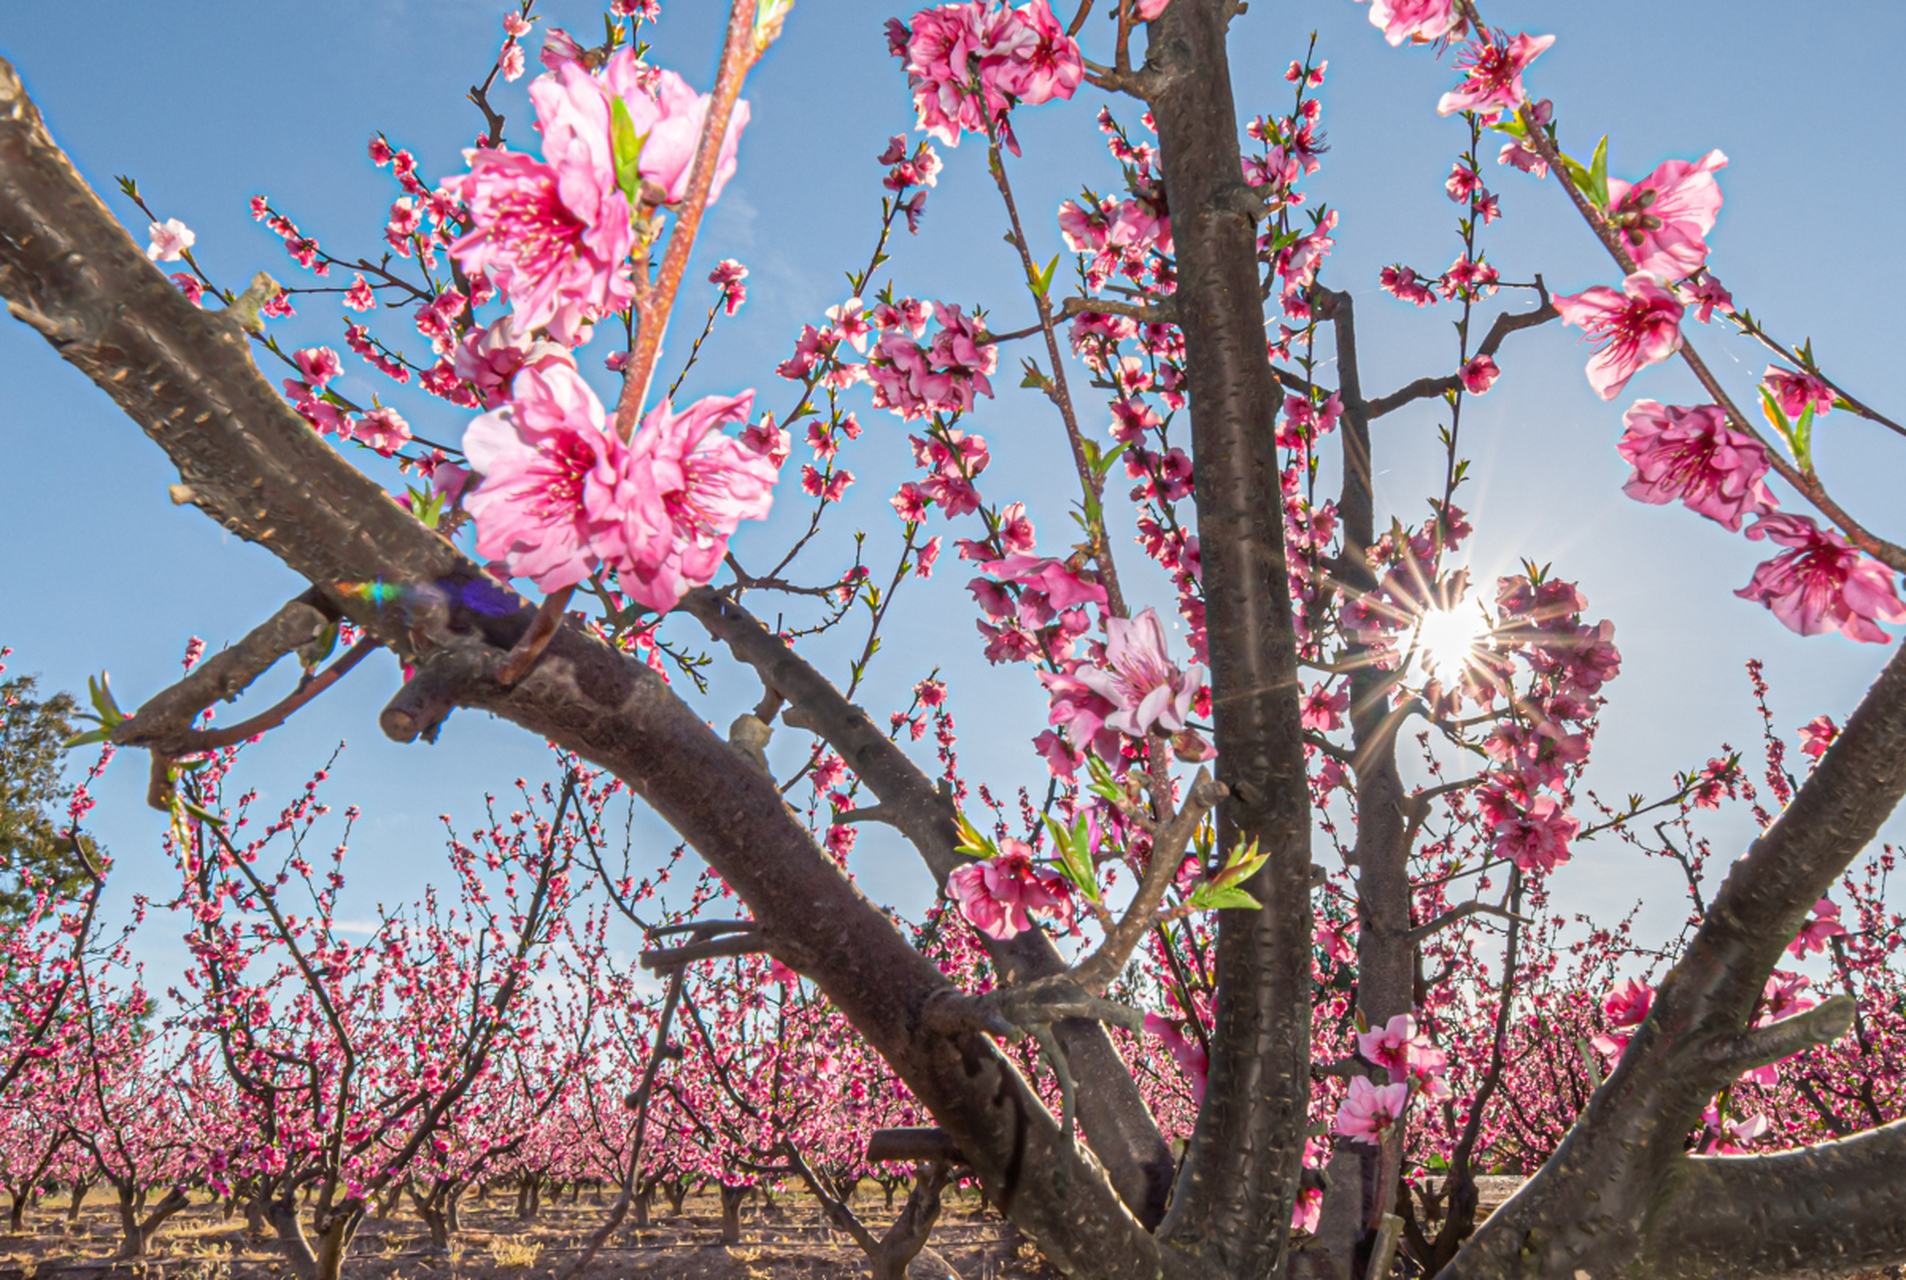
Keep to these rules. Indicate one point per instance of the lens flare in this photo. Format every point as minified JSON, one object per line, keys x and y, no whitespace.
{"x":1446,"y":638}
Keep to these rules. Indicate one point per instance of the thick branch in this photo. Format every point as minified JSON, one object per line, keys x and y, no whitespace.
{"x":189,"y":381}
{"x":1241,"y":1166}
{"x":1117,"y":1123}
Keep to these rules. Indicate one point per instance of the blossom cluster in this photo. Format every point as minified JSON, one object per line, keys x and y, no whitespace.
{"x":969,"y":64}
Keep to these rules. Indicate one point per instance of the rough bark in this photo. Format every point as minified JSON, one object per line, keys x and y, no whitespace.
{"x":136,"y":1233}
{"x":731,"y":1198}
{"x":1239,"y":1179}
{"x":1620,"y":1196}
{"x":250,"y":462}
{"x":1112,"y":1113}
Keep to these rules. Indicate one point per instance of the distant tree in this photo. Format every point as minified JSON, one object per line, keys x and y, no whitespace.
{"x":34,"y":845}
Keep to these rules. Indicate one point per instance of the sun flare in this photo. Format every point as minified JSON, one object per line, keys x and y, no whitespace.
{"x":1446,"y":638}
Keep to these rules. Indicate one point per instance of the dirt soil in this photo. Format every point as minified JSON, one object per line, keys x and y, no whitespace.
{"x":784,"y":1242}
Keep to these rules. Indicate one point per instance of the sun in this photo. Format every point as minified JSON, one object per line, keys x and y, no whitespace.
{"x":1447,"y":638}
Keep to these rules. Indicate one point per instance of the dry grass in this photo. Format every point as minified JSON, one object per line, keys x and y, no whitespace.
{"x":788,"y":1244}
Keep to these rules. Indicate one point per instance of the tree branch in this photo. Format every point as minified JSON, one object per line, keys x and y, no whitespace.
{"x":253,"y":462}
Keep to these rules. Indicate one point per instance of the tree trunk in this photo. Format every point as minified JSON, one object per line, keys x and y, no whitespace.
{"x":323,"y":1260}
{"x":257,"y":1220}
{"x":392,"y":1198}
{"x":136,"y":1233}
{"x":80,"y":1187}
{"x":731,"y":1198}
{"x":431,"y":1211}
{"x":644,"y":1196}
{"x":16,"y":1216}
{"x":1239,"y":1178}
{"x":677,"y":1193}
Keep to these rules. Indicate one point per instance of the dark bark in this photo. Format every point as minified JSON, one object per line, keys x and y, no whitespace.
{"x":1621,"y":1195}
{"x":731,"y":1198}
{"x":1240,"y":1173}
{"x":76,"y":1199}
{"x":249,"y":461}
{"x":320,"y":1255}
{"x":136,"y":1233}
{"x":1112,"y":1113}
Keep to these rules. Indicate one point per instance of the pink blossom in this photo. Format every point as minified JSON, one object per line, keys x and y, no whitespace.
{"x":1817,"y":735}
{"x":170,"y":240}
{"x":1793,"y":390}
{"x":1493,"y":74}
{"x":489,"y":358}
{"x":318,"y":364}
{"x":668,"y":118}
{"x":382,"y":429}
{"x":1664,"y":218}
{"x":1138,"y":678}
{"x":1402,"y":282}
{"x":1061,"y":586}
{"x":728,"y":275}
{"x":1823,"y":924}
{"x":553,"y":242}
{"x":682,"y":489}
{"x":1707,"y":295}
{"x":1001,"y":894}
{"x":1369,"y":1110}
{"x":1693,"y":455}
{"x":359,"y":297}
{"x":1536,"y":838}
{"x":560,"y":49}
{"x":1628,"y":1002}
{"x":1479,"y":373}
{"x":967,"y":66}
{"x":1414,"y":20}
{"x":1309,"y":1209}
{"x":1822,"y":584}
{"x":1333,"y":942}
{"x":550,"y":471}
{"x":1389,"y":1045}
{"x":1149,"y":9}
{"x":1626,"y":1007}
{"x":1187,"y":1052}
{"x":1641,"y":325}
{"x":1323,"y":710}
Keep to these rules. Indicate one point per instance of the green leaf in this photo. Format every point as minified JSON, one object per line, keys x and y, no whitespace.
{"x":971,"y":841}
{"x":1105,"y":463}
{"x":201,"y":814}
{"x":101,"y":691}
{"x":88,"y":738}
{"x":1042,"y":285}
{"x":1576,"y":173}
{"x":1210,"y":897}
{"x":1241,"y":865}
{"x":1598,"y":175}
{"x":628,"y":152}
{"x":1802,"y":438}
{"x":1075,"y":860}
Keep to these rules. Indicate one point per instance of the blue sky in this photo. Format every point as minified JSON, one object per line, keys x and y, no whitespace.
{"x":210,"y":103}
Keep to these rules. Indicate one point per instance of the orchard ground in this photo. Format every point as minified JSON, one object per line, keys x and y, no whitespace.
{"x":781,"y":1241}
